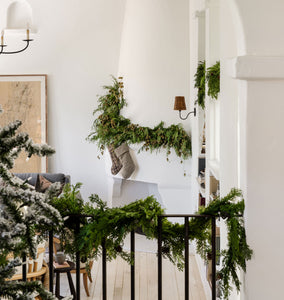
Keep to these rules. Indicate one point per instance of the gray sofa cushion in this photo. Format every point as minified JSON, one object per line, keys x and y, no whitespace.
{"x":52,"y":177}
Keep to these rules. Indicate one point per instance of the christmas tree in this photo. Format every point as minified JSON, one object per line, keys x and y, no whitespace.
{"x":24,"y":214}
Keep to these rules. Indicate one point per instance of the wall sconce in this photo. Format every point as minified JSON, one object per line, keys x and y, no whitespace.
{"x":180,"y":105}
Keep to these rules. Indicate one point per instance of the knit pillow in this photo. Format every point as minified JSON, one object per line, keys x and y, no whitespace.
{"x":42,"y":184}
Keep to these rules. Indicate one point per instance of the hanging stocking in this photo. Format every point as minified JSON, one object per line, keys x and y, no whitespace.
{"x":124,"y":156}
{"x":116,"y":164}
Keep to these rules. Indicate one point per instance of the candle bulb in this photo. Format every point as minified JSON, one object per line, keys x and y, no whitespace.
{"x":28,"y":31}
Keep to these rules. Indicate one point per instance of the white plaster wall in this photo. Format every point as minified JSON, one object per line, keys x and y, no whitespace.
{"x":77,"y":46}
{"x":251,"y":142}
{"x":229,"y":115}
{"x":154,"y":61}
{"x":264,"y":205}
{"x":197,"y":53}
{"x":262,"y":22}
{"x":261,"y":142}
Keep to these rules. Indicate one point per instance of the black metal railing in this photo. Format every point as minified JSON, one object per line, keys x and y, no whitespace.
{"x":132,"y":253}
{"x":186,"y":252}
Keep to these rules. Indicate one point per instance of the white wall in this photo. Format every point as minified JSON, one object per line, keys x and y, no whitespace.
{"x":260,"y":110}
{"x":265,"y":207}
{"x":77,"y":45}
{"x":229,"y":114}
{"x":154,"y":61}
{"x":251,"y":139}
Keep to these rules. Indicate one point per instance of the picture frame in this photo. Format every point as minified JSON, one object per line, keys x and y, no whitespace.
{"x":24,"y":98}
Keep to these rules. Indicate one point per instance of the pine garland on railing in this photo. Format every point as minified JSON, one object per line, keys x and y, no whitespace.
{"x":115,"y":223}
{"x":110,"y":127}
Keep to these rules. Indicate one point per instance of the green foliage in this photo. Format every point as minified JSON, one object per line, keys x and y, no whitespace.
{"x":71,"y":206}
{"x":213,"y":80}
{"x":112,"y":128}
{"x":211,"y":76}
{"x":113,"y":224}
{"x":199,"y":79}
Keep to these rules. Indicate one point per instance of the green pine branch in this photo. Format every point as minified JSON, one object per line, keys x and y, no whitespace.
{"x":110,"y":127}
{"x":200,"y":80}
{"x":213,"y":80}
{"x":113,"y":224}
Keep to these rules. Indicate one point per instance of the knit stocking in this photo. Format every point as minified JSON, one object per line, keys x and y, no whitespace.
{"x":124,"y":156}
{"x":116,"y":164}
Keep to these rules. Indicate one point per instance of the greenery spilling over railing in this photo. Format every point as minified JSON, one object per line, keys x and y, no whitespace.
{"x":113,"y":224}
{"x":110,"y":127}
{"x":211,"y":76}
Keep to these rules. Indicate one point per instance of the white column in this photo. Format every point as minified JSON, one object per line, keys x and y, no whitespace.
{"x":154,"y":61}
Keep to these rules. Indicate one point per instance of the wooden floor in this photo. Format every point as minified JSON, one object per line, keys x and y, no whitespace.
{"x":118,"y":285}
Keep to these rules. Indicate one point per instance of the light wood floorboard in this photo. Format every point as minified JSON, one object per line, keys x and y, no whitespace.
{"x":118,"y":285}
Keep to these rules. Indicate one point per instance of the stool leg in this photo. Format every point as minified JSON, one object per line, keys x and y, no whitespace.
{"x":57,"y":285}
{"x":71,"y":285}
{"x":85,"y":281}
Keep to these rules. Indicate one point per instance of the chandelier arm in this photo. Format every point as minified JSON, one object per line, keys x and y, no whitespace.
{"x":14,"y":52}
{"x":2,"y":48}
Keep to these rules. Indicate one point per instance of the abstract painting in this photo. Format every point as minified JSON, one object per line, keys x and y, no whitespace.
{"x":23,"y":97}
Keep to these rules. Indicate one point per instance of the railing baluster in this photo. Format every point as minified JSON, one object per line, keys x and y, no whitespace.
{"x":78,"y":293}
{"x":24,"y":267}
{"x":186,"y":253}
{"x":160,"y":258}
{"x":104,"y":270}
{"x":50,"y":246}
{"x":132,"y":249}
{"x":213,"y":222}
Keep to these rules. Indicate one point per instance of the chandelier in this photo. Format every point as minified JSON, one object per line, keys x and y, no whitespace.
{"x":27,"y":40}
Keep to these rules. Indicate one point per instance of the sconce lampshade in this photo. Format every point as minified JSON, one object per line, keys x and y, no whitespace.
{"x":179,"y":103}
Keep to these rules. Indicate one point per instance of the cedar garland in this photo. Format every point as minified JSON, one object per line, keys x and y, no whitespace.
{"x":110,"y":127}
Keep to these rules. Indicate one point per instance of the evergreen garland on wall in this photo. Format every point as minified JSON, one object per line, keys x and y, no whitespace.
{"x":111,"y":127}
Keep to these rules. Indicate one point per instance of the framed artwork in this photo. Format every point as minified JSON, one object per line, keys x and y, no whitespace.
{"x":23,"y":97}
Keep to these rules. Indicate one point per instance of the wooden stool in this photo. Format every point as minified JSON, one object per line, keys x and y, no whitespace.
{"x":58,"y":271}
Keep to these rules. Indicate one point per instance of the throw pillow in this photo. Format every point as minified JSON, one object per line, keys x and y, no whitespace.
{"x":42,"y":184}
